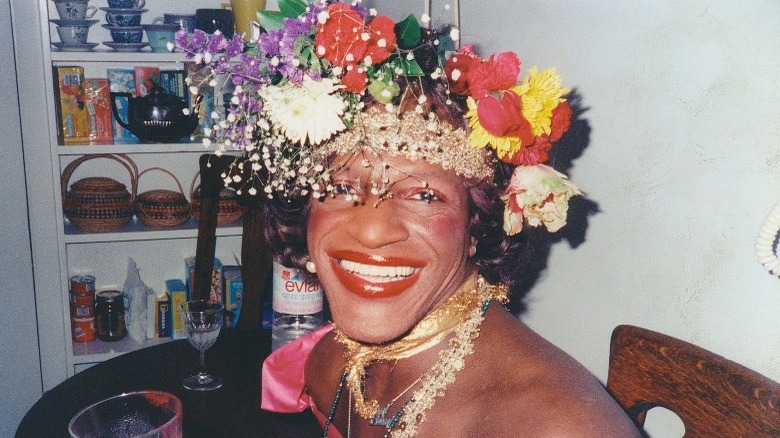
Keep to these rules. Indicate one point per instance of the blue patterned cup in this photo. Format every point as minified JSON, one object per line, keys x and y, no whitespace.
{"x":126,"y":34}
{"x":74,"y":9}
{"x":73,"y":35}
{"x":160,"y":35}
{"x":127,"y":4}
{"x":124,"y":17}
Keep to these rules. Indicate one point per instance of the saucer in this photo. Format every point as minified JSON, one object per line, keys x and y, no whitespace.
{"x":123,"y":11}
{"x":123,"y":28}
{"x":60,"y":22}
{"x":86,"y":47}
{"x":125,"y":47}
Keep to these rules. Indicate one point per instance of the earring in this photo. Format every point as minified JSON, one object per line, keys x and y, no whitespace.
{"x":311,"y":267}
{"x":473,"y":250}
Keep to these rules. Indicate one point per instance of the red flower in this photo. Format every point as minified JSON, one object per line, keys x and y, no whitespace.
{"x":561,"y":120}
{"x":504,"y":117}
{"x":381,"y":28}
{"x":355,"y":80}
{"x":463,"y":61}
{"x":496,"y":73}
{"x":339,"y":38}
{"x":531,"y":155}
{"x":344,"y":39}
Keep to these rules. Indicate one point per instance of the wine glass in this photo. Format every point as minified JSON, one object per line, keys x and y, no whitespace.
{"x":202,"y":320}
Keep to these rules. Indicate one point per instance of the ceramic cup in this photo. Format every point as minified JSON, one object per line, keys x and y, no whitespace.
{"x":159,"y":35}
{"x":126,"y":34}
{"x":124,"y":17}
{"x":183,"y":21}
{"x":75,"y":9}
{"x":73,"y":35}
{"x":127,"y":4}
{"x":244,"y":14}
{"x":212,"y":20}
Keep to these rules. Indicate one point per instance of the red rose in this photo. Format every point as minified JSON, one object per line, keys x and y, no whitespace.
{"x":339,"y":39}
{"x":463,"y":61}
{"x":355,"y":80}
{"x":504,"y":117}
{"x":531,"y":155}
{"x":380,"y":28}
{"x":496,"y":73}
{"x":561,"y":120}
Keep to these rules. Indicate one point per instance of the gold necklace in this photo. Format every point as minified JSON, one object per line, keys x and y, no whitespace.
{"x":379,"y":418}
{"x":462,"y":313}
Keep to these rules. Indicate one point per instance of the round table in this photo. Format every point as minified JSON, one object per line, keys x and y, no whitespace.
{"x":231,"y":411}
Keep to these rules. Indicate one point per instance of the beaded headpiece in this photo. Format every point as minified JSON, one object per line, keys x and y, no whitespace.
{"x":328,"y":78}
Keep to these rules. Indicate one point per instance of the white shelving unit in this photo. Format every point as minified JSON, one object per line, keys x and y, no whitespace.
{"x":59,"y":249}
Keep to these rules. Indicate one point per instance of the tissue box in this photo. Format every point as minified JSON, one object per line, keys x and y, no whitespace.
{"x":122,"y":80}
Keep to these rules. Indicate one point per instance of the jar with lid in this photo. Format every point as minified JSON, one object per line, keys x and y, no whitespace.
{"x":110,"y":315}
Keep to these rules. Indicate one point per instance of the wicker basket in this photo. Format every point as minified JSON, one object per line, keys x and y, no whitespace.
{"x":161,"y":207}
{"x":99,"y":204}
{"x":229,"y":209}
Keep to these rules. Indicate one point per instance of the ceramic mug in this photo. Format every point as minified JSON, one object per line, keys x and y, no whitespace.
{"x":73,"y":35}
{"x":127,"y":17}
{"x":75,"y":9}
{"x":127,"y":4}
{"x":184,"y":21}
{"x":211,"y":20}
{"x":159,"y":35}
{"x":244,"y":14}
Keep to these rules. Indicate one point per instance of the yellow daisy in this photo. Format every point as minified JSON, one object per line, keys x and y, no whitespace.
{"x":541,"y":93}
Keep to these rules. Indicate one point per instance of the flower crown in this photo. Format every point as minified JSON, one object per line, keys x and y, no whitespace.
{"x":300,"y":93}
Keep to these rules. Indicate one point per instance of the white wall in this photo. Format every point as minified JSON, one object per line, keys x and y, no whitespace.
{"x":20,"y":367}
{"x":682,"y":160}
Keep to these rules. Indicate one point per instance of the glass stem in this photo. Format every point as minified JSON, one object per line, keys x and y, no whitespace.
{"x":202,"y":362}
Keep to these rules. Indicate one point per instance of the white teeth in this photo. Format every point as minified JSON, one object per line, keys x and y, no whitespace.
{"x":377,"y":274}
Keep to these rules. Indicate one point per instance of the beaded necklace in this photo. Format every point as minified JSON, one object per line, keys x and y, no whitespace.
{"x":436,"y":379}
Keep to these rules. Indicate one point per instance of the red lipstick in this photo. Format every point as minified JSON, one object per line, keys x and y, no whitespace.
{"x":366,"y":289}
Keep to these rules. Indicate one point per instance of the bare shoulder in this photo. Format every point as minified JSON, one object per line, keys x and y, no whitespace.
{"x":535,"y":387}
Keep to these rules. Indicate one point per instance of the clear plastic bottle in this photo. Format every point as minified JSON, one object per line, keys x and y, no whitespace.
{"x":297,"y":305}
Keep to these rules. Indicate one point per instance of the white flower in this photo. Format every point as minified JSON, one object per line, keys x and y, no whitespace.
{"x":454,"y":34}
{"x":306,"y":111}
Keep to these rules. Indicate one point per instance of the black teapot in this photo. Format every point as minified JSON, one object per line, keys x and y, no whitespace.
{"x":158,"y":117}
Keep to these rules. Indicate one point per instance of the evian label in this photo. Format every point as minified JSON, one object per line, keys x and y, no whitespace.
{"x":293,"y":295}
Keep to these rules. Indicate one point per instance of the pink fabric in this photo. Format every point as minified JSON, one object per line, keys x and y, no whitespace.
{"x":283,"y":388}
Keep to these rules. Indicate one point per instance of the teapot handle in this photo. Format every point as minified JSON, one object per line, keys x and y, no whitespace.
{"x":114,"y":96}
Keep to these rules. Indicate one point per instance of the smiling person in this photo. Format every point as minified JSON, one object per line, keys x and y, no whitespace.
{"x":401,"y":174}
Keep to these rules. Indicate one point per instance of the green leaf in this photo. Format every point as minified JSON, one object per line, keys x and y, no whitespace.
{"x":292,"y":8}
{"x":445,"y":44}
{"x":270,"y":20}
{"x":411,"y":68}
{"x":408,"y":32}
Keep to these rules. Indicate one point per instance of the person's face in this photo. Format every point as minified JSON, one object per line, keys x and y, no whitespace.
{"x":384,"y":265}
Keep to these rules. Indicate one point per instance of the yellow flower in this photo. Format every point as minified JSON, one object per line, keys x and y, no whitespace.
{"x":479,"y":137}
{"x":541,"y":93}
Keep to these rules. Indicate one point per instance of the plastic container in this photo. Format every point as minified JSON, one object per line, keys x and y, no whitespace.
{"x":297,"y":305}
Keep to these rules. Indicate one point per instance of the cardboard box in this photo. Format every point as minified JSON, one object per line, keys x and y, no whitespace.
{"x":145,"y":79}
{"x":122,"y":80}
{"x":99,"y":111}
{"x":215,"y":293}
{"x":234,"y":293}
{"x":177,"y":291}
{"x":71,"y":105}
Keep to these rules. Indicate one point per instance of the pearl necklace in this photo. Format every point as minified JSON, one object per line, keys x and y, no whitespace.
{"x":765,"y":242}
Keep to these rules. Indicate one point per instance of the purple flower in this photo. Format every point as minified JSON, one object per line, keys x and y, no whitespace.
{"x":235,"y":46}
{"x":269,"y":42}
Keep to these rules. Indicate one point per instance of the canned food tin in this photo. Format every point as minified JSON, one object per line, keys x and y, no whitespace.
{"x":83,"y":329}
{"x":82,"y":284}
{"x":82,"y":305}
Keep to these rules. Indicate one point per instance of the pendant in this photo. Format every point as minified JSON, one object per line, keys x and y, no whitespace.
{"x":379,"y":418}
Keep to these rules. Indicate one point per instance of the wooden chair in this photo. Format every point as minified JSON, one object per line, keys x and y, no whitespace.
{"x":713,"y":396}
{"x":255,"y":254}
